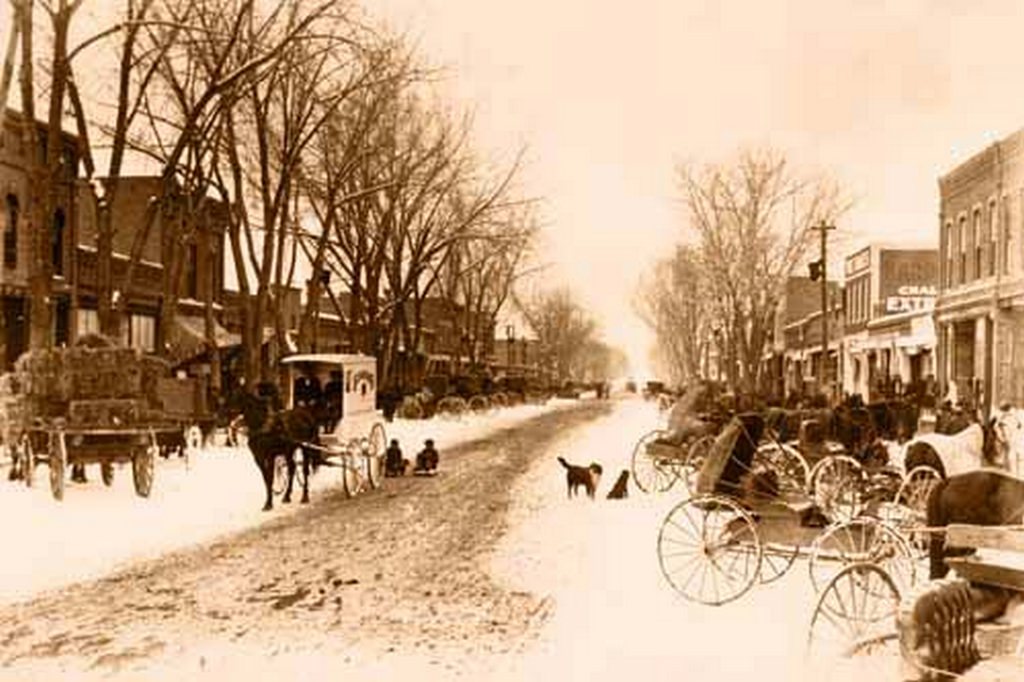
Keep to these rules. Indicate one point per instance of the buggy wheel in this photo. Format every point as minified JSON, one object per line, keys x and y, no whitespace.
{"x":776,"y":560}
{"x":649,"y":474}
{"x":107,"y":473}
{"x":351,"y":476}
{"x":375,"y":454}
{"x":58,"y":460}
{"x":142,"y":468}
{"x":855,"y":614}
{"x":838,"y":485}
{"x":280,"y":483}
{"x":709,"y":550}
{"x":858,"y":541}
{"x":788,"y":464}
{"x":696,"y":455}
{"x":917,"y":484}
{"x":28,"y":460}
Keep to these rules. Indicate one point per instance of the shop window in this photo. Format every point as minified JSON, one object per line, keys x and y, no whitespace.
{"x":977,"y":246}
{"x":88,"y":322}
{"x":142,"y":332}
{"x":962,"y":248}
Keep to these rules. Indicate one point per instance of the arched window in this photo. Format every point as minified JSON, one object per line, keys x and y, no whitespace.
{"x":57,"y":241}
{"x":11,"y":232}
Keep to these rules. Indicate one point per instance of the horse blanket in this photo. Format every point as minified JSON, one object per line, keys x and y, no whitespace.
{"x":959,"y":453}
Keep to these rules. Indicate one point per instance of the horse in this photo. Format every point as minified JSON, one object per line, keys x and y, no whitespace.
{"x":279,"y":433}
{"x":968,"y":450}
{"x":986,"y":497}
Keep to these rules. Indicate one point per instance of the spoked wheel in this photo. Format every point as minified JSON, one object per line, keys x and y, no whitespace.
{"x":28,"y":460}
{"x":58,"y":460}
{"x":788,"y":465}
{"x":351,"y":472}
{"x":709,"y":550}
{"x":280,"y":474}
{"x":696,"y":455}
{"x":906,"y":522}
{"x":855,"y":616}
{"x":776,"y":560}
{"x":917,"y":484}
{"x":858,"y":541}
{"x":838,"y":483}
{"x":107,"y":473}
{"x":143,"y":463}
{"x":375,"y":455}
{"x":651,"y":473}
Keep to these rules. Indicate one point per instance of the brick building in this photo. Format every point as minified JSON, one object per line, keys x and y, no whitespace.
{"x":889,"y":338}
{"x":979,"y":313}
{"x":16,"y":248}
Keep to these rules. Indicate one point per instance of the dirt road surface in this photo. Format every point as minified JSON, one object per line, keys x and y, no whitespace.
{"x":401,"y":571}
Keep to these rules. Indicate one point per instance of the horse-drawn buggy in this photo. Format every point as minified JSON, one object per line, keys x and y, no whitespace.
{"x":751,"y":517}
{"x":341,"y":392}
{"x":93,"y":403}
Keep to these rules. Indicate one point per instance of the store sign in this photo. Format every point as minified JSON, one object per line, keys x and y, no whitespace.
{"x":858,"y":261}
{"x":910,"y":298}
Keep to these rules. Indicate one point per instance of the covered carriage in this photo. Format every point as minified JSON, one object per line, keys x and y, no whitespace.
{"x":341,"y":389}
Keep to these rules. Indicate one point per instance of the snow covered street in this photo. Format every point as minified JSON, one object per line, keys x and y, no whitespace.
{"x":96,"y":530}
{"x":487,"y":572}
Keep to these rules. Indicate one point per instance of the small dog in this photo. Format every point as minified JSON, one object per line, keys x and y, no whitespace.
{"x":576,"y":476}
{"x":620,"y":490}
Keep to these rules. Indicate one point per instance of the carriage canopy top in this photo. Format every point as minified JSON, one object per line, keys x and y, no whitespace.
{"x":731,"y":455}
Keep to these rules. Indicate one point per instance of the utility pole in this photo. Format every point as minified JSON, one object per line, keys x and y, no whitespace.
{"x":824,"y":228}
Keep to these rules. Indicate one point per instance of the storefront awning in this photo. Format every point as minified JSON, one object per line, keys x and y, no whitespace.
{"x":188,"y":338}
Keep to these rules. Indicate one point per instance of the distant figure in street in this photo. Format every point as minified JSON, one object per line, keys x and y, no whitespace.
{"x":427,"y":459}
{"x":394,"y":463}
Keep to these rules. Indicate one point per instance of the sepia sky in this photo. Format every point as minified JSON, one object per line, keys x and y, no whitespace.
{"x":609,"y":96}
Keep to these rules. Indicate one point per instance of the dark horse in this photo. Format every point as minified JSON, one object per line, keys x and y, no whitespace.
{"x":274,"y":433}
{"x":986,"y":497}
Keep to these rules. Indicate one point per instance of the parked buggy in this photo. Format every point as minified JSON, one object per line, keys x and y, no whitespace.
{"x":751,"y":517}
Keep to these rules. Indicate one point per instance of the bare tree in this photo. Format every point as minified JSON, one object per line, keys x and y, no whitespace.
{"x":563,"y":331}
{"x":752,"y":220}
{"x":671,"y":299}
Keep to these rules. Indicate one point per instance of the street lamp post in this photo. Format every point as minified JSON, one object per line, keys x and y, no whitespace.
{"x":510,"y":339}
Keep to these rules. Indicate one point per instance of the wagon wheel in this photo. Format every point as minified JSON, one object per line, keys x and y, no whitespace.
{"x":857,"y":541}
{"x":28,"y":459}
{"x":142,"y":467}
{"x":280,"y":474}
{"x":906,"y":521}
{"x":648,"y":474}
{"x":788,"y":464}
{"x":351,"y":475}
{"x":107,"y":473}
{"x":375,"y":454}
{"x":856,"y":614}
{"x":58,"y":460}
{"x":917,"y":484}
{"x":696,"y":455}
{"x":776,"y":560}
{"x":838,"y":484}
{"x":709,"y":550}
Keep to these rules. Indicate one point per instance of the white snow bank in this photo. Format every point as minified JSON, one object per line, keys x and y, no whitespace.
{"x":96,"y":530}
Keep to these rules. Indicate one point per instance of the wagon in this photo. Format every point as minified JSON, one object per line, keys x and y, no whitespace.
{"x":89,"y":405}
{"x":751,"y":518}
{"x":352,"y":434}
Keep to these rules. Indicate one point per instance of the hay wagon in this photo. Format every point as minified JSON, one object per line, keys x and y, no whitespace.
{"x":749,"y":521}
{"x":342,"y":390}
{"x":90,"y":405}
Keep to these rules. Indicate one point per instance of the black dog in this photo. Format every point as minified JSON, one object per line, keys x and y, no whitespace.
{"x":576,"y":476}
{"x":620,"y":490}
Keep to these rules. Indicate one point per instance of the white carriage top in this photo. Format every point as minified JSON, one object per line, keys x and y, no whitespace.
{"x":349,"y":376}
